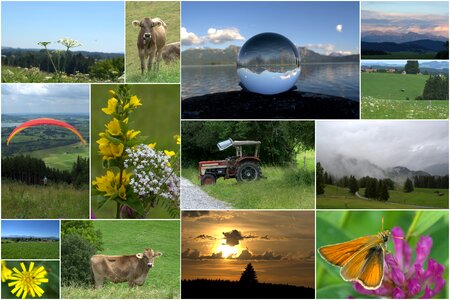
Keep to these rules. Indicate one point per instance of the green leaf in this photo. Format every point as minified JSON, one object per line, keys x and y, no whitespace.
{"x":101,"y":200}
{"x":424,"y":220}
{"x":114,"y":140}
{"x":133,"y":202}
{"x":339,"y":291}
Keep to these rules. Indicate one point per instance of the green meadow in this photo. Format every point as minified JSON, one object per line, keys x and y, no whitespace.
{"x":30,"y":250}
{"x":169,"y":12}
{"x":131,"y":237}
{"x":282,"y":187}
{"x":62,"y":157}
{"x":339,"y":198}
{"x":392,"y":96}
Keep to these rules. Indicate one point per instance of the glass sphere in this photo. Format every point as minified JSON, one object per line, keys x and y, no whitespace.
{"x":268,"y":64}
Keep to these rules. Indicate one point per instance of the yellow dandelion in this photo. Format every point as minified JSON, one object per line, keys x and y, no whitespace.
{"x":28,"y":281}
{"x":6,"y":272}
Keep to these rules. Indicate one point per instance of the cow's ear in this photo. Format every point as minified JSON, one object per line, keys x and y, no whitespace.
{"x":136,"y":23}
{"x":158,"y":254}
{"x":156,"y":24}
{"x":140,"y":255}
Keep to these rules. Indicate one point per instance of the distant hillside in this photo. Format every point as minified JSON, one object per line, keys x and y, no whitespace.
{"x":419,"y":46}
{"x":395,"y":37}
{"x":225,"y":289}
{"x":228,"y":56}
{"x":437,"y":169}
{"x":102,"y":55}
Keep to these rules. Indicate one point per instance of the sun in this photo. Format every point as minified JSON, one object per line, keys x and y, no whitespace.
{"x":227,"y":250}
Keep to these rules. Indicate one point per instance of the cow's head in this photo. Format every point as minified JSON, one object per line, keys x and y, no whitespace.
{"x":147,"y":26}
{"x":148,"y":256}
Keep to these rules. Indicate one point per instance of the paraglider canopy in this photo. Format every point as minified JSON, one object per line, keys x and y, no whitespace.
{"x":43,"y":121}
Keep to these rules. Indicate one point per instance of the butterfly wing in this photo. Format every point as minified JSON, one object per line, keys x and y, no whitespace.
{"x":340,"y":254}
{"x":366,"y":267}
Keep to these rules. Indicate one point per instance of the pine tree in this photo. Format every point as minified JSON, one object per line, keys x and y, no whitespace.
{"x":319,"y":180}
{"x":384,"y":192}
{"x":353,"y":185}
{"x":408,"y":186}
{"x":412,"y":67}
{"x":249,"y":275}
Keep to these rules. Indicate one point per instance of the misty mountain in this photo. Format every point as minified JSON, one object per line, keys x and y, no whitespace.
{"x":340,"y":166}
{"x":228,"y":56}
{"x":95,"y":54}
{"x":440,"y":65}
{"x":419,"y":46}
{"x":437,"y":169}
{"x":394,"y":37}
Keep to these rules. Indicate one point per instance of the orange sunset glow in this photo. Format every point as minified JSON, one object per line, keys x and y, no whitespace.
{"x":278,"y":244}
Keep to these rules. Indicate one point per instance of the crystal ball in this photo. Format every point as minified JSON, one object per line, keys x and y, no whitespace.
{"x":268,"y":64}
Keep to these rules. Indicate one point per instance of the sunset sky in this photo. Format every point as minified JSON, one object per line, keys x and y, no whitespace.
{"x":219,"y":244}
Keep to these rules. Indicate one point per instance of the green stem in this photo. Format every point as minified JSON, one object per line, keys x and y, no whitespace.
{"x":120,"y":185}
{"x":51,"y":60}
{"x":413,"y":225}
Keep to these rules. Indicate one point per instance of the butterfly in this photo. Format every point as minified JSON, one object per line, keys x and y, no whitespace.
{"x":361,"y":259}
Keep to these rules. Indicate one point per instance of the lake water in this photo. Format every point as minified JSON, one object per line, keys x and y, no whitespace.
{"x":336,"y":79}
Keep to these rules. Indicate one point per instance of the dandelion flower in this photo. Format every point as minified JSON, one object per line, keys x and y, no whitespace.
{"x":6,"y":272}
{"x":28,"y":281}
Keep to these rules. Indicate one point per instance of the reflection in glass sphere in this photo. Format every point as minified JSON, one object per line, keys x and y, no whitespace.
{"x":268,"y":64}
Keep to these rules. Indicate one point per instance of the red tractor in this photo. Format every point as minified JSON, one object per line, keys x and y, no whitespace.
{"x":243,"y":167}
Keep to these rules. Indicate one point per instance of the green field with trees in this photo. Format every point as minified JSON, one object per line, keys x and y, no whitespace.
{"x":82,"y":239}
{"x":12,"y":249}
{"x":404,"y":96}
{"x":169,"y":12}
{"x":287,"y":162}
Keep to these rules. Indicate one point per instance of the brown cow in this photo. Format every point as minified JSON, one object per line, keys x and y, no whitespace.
{"x":171,"y":52}
{"x":151,"y":40}
{"x":123,"y":268}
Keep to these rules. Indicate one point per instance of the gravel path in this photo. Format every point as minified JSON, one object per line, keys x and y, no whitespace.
{"x":193,"y":197}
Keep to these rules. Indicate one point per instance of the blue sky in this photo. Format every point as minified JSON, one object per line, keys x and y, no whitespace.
{"x":99,"y":26}
{"x":45,"y":98}
{"x":311,"y":24}
{"x":47,"y":228}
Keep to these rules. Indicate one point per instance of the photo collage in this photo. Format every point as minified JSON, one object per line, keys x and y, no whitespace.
{"x":224,"y":149}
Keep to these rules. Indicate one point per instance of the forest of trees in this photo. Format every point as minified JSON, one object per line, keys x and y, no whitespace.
{"x":32,"y":171}
{"x":436,"y":88}
{"x":431,"y":182}
{"x":98,"y":65}
{"x":280,"y":141}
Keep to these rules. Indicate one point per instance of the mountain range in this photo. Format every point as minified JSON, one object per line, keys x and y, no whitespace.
{"x":341,"y":165}
{"x":227,"y":56}
{"x":418,"y":46}
{"x":396,"y":37}
{"x":10,"y":50}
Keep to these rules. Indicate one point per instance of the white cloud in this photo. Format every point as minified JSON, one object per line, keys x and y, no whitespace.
{"x":190,"y":38}
{"x":339,"y":27}
{"x":324,"y":48}
{"x":220,"y":36}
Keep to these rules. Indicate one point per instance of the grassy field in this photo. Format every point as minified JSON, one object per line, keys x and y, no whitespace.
{"x":130,"y":237}
{"x":63,"y":157}
{"x":31,"y":250}
{"x":401,"y":55}
{"x":392,"y":96}
{"x":282,"y":189}
{"x":21,"y":201}
{"x":337,"y":197}
{"x":169,"y":12}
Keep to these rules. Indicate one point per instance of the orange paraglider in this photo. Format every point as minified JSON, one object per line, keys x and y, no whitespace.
{"x":44,"y":121}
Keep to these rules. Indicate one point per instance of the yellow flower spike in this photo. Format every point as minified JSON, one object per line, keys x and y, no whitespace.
{"x":123,"y":192}
{"x":6,"y":272}
{"x":28,"y":281}
{"x":125,"y":120}
{"x":114,"y":127}
{"x":112,"y":106}
{"x":135,"y":102}
{"x":177,"y":139}
{"x":169,"y":153}
{"x":131,"y":134}
{"x":152,"y":145}
{"x":112,"y":93}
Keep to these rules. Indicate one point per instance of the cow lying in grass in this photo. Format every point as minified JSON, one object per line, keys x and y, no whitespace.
{"x":123,"y":268}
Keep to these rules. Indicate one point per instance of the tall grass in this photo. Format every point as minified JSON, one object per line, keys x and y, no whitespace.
{"x":30,"y":250}
{"x":58,"y":201}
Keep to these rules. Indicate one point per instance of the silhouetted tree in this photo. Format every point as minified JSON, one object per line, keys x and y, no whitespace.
{"x":412,"y":67}
{"x":353,"y":185}
{"x":319,"y":180}
{"x":408,"y":186}
{"x":249,"y":275}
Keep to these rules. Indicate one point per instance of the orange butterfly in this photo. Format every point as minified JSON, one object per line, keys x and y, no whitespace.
{"x":361,"y":259}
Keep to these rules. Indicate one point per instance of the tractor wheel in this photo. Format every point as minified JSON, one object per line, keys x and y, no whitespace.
{"x":208,"y":179}
{"x":248,"y":171}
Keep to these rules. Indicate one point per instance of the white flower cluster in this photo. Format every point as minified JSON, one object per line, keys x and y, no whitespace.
{"x":152,"y":173}
{"x":69,"y":43}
